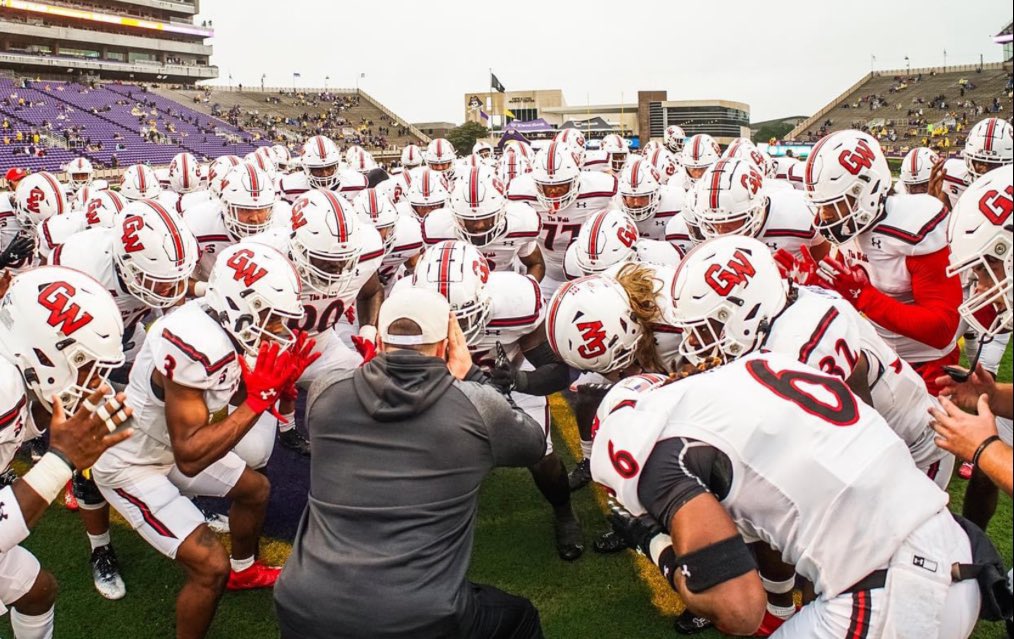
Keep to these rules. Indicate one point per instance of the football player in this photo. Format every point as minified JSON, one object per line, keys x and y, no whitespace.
{"x":80,"y":175}
{"x":609,"y":238}
{"x":322,"y":169}
{"x":916,"y":170}
{"x":617,"y":152}
{"x":186,"y":189}
{"x":401,"y":234}
{"x":37,"y":198}
{"x":99,"y":211}
{"x":700,"y":152}
{"x":674,"y":139}
{"x":440,"y":157}
{"x":647,"y":199}
{"x":990,"y":144}
{"x":139,"y":182}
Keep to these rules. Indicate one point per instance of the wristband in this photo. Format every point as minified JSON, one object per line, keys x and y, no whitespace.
{"x":368,"y":332}
{"x":778,"y":587}
{"x":49,"y":476}
{"x":13,"y":529}
{"x":982,"y":448}
{"x":200,"y":288}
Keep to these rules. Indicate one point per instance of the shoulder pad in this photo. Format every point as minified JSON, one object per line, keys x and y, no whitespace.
{"x":789,"y":215}
{"x":517,"y":300}
{"x":594,"y":184}
{"x":437,"y":227}
{"x":408,"y":235}
{"x":522,"y":221}
{"x":192,"y":350}
{"x":913,"y":225}
{"x":656,"y":252}
{"x":522,"y":188}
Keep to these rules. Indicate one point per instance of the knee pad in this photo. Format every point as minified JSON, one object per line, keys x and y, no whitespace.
{"x":86,"y":492}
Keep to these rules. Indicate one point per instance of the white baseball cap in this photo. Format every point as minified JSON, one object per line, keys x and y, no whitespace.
{"x":426,"y":308}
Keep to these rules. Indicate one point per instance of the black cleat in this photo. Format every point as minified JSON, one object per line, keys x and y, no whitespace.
{"x":292,"y":440}
{"x":690,"y":624}
{"x":580,"y":476}
{"x":608,"y":543}
{"x":7,"y":478}
{"x":106,"y":573}
{"x":569,"y":541}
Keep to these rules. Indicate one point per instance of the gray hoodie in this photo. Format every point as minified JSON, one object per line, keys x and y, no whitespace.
{"x":400,"y":449}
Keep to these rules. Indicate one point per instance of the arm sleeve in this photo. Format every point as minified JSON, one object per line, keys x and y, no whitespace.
{"x":932,"y":318}
{"x":678,"y":470}
{"x":550,"y":374}
{"x":515,"y":439}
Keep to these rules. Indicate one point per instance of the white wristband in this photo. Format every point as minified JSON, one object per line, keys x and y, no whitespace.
{"x":48,"y":477}
{"x":779,"y":587}
{"x":13,"y":529}
{"x":657,"y":544}
{"x":200,"y":288}
{"x":368,"y":332}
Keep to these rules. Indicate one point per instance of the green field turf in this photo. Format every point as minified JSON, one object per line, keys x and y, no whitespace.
{"x":600,"y":596}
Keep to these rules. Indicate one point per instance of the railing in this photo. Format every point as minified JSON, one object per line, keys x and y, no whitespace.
{"x":412,"y":129}
{"x":196,"y":72}
{"x":287,"y":90}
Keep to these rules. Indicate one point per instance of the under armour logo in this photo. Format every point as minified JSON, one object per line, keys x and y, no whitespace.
{"x":876,"y":243}
{"x":267,"y":394}
{"x":685,"y":570}
{"x":3,"y":515}
{"x":922,"y":562}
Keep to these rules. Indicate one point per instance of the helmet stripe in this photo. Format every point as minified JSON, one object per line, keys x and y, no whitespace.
{"x":596,"y":227}
{"x":56,"y":191}
{"x":320,"y":146}
{"x":553,"y":310}
{"x":255,"y":183}
{"x":551,"y":159}
{"x":339,"y":216}
{"x":374,"y":205}
{"x":697,"y":147}
{"x":716,"y":181}
{"x":635,"y":174}
{"x":915,"y":162}
{"x":473,"y":188}
{"x":444,"y":283}
{"x":142,"y":183}
{"x":987,"y":144}
{"x":116,"y":200}
{"x":174,"y":231}
{"x":186,"y":172}
{"x":808,"y":174}
{"x":426,"y":183}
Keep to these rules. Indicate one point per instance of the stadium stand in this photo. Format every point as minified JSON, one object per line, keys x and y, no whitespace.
{"x":916,"y":107}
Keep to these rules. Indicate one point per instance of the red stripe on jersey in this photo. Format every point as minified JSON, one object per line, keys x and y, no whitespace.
{"x":859,"y":626}
{"x":817,"y":335}
{"x":907,"y":236}
{"x":9,"y":416}
{"x":146,"y":514}
{"x":194,"y":354}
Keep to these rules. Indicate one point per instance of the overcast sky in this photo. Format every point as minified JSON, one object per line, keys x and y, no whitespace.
{"x":782,"y":58}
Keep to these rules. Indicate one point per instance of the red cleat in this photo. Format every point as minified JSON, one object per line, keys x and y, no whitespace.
{"x":69,"y":500}
{"x":256,"y":576}
{"x":965,"y":471}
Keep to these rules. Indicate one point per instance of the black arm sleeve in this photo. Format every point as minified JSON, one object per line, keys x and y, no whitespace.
{"x":678,"y":470}
{"x":550,"y":374}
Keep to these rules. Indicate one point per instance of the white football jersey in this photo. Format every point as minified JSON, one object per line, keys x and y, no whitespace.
{"x":816,"y":473}
{"x":913,"y":225}
{"x":16,"y":424}
{"x":206,"y":221}
{"x":518,"y":240}
{"x":57,"y":229}
{"x":395,"y":188}
{"x":955,"y":180}
{"x":672,"y":199}
{"x":408,"y":243}
{"x":559,"y":230}
{"x":350,"y":183}
{"x":596,"y":160}
{"x":181,"y":203}
{"x":789,"y":222}
{"x":517,"y":310}
{"x":678,"y":234}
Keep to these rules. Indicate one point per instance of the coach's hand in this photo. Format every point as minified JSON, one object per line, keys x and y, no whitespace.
{"x":459,"y":360}
{"x":83,"y":437}
{"x":966,"y":394}
{"x":936,"y":182}
{"x":959,"y":432}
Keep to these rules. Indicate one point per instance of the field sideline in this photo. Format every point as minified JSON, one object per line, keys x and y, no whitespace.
{"x":604,"y":596}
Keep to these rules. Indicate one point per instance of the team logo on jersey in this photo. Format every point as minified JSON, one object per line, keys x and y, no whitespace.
{"x":131,"y":242}
{"x":997,"y":206}
{"x":857,"y":159}
{"x":63,"y":313}
{"x":722,"y":279}
{"x":594,"y":339}
{"x":481,"y":270}
{"x":245,"y":269}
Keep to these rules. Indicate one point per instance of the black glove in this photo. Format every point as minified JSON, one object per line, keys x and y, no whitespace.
{"x":636,"y":532}
{"x":20,"y":247}
{"x":502,"y":374}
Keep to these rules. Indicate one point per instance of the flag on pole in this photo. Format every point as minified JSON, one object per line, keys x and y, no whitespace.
{"x":297,"y":75}
{"x":509,"y":114}
{"x":483,"y":115}
{"x":495,"y":83}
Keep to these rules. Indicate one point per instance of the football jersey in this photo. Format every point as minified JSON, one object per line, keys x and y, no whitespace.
{"x":408,"y":243}
{"x":649,"y":252}
{"x":190,"y":348}
{"x":517,"y":310}
{"x":678,"y":234}
{"x":816,"y":473}
{"x":670,"y":204}
{"x":596,"y":160}
{"x":913,"y":225}
{"x":521,"y":231}
{"x":206,"y":221}
{"x":181,"y":202}
{"x":794,"y":175}
{"x":789,"y":222}
{"x":559,"y":230}
{"x":350,"y":183}
{"x":16,"y":424}
{"x":824,"y":331}
{"x":395,"y":188}
{"x":955,"y":180}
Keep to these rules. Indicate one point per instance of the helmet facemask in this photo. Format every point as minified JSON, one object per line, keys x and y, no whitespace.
{"x":988,"y":308}
{"x":323,"y":177}
{"x":153,"y":290}
{"x":720,"y":222}
{"x":842,"y":218}
{"x":557,"y":196}
{"x":473,"y":317}
{"x":481,"y":231}
{"x":641,"y":206}
{"x":238,"y":228}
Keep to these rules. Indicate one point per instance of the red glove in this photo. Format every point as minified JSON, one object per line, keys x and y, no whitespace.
{"x":802,"y":270}
{"x":849,"y":280}
{"x":303,"y":356}
{"x":271,"y":372}
{"x":364,"y":347}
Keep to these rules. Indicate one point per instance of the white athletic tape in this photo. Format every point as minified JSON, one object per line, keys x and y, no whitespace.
{"x":48,"y":477}
{"x":103,"y":413}
{"x":88,"y":406}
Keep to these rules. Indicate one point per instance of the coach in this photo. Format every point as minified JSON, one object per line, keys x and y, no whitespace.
{"x":400,"y":447}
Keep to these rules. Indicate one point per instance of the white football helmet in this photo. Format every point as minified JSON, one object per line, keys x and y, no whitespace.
{"x":459,"y":272}
{"x":738,"y":147}
{"x":183,"y":175}
{"x":37,"y":198}
{"x":847,"y":179}
{"x":62,"y":329}
{"x":282,"y":156}
{"x":990,"y":144}
{"x":254,"y":292}
{"x":746,"y":150}
{"x":664,"y":162}
{"x":155,"y":253}
{"x":573,"y":137}
{"x":264,"y":160}
{"x":359,"y":159}
{"x":439,"y":156}
{"x":79,"y":172}
{"x":640,"y":189}
{"x":700,"y":152}
{"x":650,"y":146}
{"x":101,"y":209}
{"x":980,"y":234}
{"x":249,"y":197}
{"x":605,"y":239}
{"x":484,"y":150}
{"x":512,"y":164}
{"x":916,"y":169}
{"x":321,"y":161}
{"x":522,"y":147}
{"x":479,"y":207}
{"x":411,"y":157}
{"x":139,"y":182}
{"x":674,"y":139}
{"x":591,"y":326}
{"x":730,"y":199}
{"x":616,"y":148}
{"x":725,"y":293}
{"x":427,"y":193}
{"x":326,"y":241}
{"x":556,"y":176}
{"x":376,"y":209}
{"x":220,"y":168}
{"x":626,"y":390}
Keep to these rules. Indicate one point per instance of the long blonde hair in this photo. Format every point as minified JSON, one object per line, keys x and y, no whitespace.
{"x":642,"y":289}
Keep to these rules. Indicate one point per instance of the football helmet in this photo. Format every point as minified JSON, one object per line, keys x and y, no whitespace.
{"x":253,"y":291}
{"x":79,"y":172}
{"x":155,"y":253}
{"x":326,"y":241}
{"x":282,"y":156}
{"x":459,"y":272}
{"x":700,"y":152}
{"x":674,"y":139}
{"x":484,"y":150}
{"x":730,"y":199}
{"x":512,"y":164}
{"x":738,"y":148}
{"x":616,"y":148}
{"x":556,"y":176}
{"x":743,"y":149}
{"x":628,"y":389}
{"x":847,"y":179}
{"x":411,"y":157}
{"x":990,"y":144}
{"x":139,"y":182}
{"x":62,"y":329}
{"x":576,"y":141}
{"x":664,"y":162}
{"x":264,"y":160}
{"x":479,"y":207}
{"x":591,"y":326}
{"x":183,"y":175}
{"x":916,"y":169}
{"x":218,"y":170}
{"x":524,"y":148}
{"x":379,"y":211}
{"x":724,"y":295}
{"x":37,"y":198}
{"x":439,"y":156}
{"x":650,"y":146}
{"x":321,"y":159}
{"x":427,"y":193}
{"x":102,"y":207}
{"x":249,"y":197}
{"x":605,"y":239}
{"x":982,"y":246}
{"x":640,"y":189}
{"x":359,"y":159}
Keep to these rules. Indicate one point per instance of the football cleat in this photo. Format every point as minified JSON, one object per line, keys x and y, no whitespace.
{"x":569,"y":542}
{"x":294,"y":441}
{"x":608,"y":543}
{"x":69,"y":500}
{"x":256,"y":576}
{"x":217,"y":522}
{"x":106,"y":573}
{"x":580,"y":476}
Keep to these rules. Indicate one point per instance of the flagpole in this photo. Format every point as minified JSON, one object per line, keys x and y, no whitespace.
{"x":492,"y":102}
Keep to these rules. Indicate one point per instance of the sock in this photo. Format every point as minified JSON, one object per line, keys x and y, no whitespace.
{"x":586,"y":449}
{"x":288,"y":422}
{"x":97,"y":541}
{"x":782,"y":612}
{"x":32,"y":626}
{"x":239,"y":565}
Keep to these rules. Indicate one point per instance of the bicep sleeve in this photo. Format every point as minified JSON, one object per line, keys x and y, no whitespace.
{"x":678,"y":470}
{"x":515,"y":439}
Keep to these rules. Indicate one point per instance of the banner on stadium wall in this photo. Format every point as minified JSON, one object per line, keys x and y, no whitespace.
{"x":537,"y":125}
